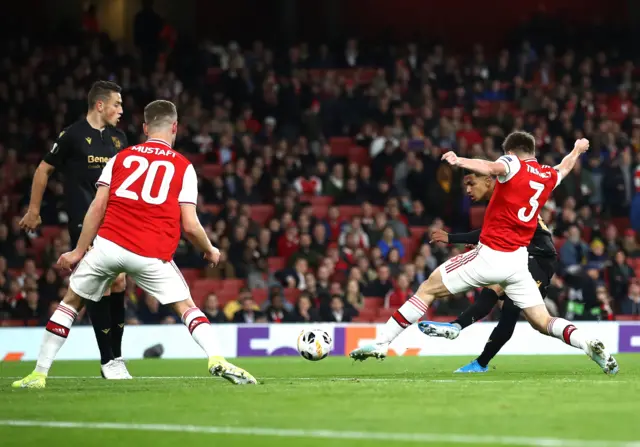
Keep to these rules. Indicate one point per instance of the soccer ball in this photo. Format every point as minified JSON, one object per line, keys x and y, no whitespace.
{"x":314,"y":345}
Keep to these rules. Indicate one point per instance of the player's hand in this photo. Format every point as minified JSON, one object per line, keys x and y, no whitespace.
{"x":69,"y":259}
{"x":213,"y":256}
{"x":439,"y":235}
{"x":30,"y":221}
{"x":451,"y":158}
{"x":582,"y":145}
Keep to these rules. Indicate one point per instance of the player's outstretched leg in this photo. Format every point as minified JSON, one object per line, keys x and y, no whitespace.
{"x":203,"y":334}
{"x":564,"y":330}
{"x":409,"y":313}
{"x":56,"y":333}
{"x":498,"y":338}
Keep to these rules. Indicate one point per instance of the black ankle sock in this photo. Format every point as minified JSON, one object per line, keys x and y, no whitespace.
{"x":502,"y":332}
{"x":100,"y":314}
{"x":479,"y":309}
{"x":117,"y":322}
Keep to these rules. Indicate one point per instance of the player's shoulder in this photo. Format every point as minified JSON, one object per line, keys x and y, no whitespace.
{"x":74,"y":129}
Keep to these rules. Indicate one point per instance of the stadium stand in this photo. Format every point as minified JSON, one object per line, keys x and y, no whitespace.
{"x":310,"y":177}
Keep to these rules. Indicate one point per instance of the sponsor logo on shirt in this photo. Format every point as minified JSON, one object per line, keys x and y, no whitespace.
{"x":96,"y":159}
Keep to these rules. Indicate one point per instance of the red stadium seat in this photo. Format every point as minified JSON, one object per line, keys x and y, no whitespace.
{"x":385,"y":313}
{"x":50,"y":232}
{"x":410,"y":247}
{"x":373,"y":302}
{"x":214,"y":209}
{"x":191,"y":275}
{"x":324,"y":201}
{"x":359,"y":155}
{"x":261,"y":213}
{"x":348,"y":212}
{"x":260,"y":295}
{"x":276,"y":263}
{"x":340,"y":146}
{"x":291,"y":294}
{"x":320,"y":211}
{"x":209,"y":171}
{"x":418,"y":232}
{"x":476,"y":216}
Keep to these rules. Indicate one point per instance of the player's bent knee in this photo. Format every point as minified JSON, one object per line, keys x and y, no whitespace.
{"x":432,"y":288}
{"x":181,"y":307}
{"x":74,"y":300}
{"x":538,"y":317}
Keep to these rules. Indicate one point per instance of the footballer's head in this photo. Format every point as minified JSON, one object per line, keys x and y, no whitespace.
{"x":105,"y":99}
{"x":161,"y":118}
{"x":478,"y":187}
{"x":521,"y":144}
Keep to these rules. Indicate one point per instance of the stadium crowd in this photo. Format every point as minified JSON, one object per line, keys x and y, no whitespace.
{"x":320,"y":174}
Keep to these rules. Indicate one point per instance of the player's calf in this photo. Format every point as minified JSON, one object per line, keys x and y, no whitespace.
{"x":56,"y":333}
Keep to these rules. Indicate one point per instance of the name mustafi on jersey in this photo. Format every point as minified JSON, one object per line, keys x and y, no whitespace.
{"x":535,"y":171}
{"x":153,"y":150}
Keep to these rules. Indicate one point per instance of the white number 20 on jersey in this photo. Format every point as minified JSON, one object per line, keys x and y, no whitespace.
{"x":525,"y":216}
{"x":150,"y":170}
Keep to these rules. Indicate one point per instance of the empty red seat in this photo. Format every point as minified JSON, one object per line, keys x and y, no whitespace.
{"x":359,"y":155}
{"x":260,"y":295}
{"x":261,"y":213}
{"x":373,"y":302}
{"x":191,"y":275}
{"x":210,"y":170}
{"x":340,"y":146}
{"x":214,"y":209}
{"x":291,"y":294}
{"x":320,"y":211}
{"x":366,"y":316}
{"x":50,"y":232}
{"x":275,"y":263}
{"x":325,"y":201}
{"x":410,"y":247}
{"x":348,"y":211}
{"x":418,"y":232}
{"x":386,"y":313}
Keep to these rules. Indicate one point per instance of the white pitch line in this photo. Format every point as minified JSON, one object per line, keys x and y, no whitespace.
{"x":326,"y":434}
{"x":351,"y":379}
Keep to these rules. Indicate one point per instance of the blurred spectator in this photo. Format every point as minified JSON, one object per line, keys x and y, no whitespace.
{"x":276,"y":312}
{"x":382,"y":285}
{"x":574,"y":251}
{"x":338,"y":312}
{"x":620,"y":275}
{"x":401,"y":293}
{"x":304,"y":311}
{"x":389,"y":241}
{"x":353,"y":296}
{"x":150,"y":311}
{"x":248,"y":312}
{"x":631,"y":304}
{"x":212,"y":309}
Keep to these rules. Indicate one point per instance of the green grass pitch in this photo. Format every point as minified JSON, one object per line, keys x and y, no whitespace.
{"x":532,"y":401}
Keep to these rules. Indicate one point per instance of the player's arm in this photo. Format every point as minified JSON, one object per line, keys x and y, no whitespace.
{"x":479,"y":166}
{"x":473,"y":238}
{"x":569,"y":161}
{"x":55,"y":158}
{"x":191,"y":226}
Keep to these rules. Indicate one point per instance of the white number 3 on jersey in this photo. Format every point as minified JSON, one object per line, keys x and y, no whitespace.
{"x":151,"y":170}
{"x":533,"y":201}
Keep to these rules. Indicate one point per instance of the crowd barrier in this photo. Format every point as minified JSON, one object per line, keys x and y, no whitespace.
{"x":280,"y":340}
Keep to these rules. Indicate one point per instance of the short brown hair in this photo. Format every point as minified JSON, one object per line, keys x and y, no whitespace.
{"x":520,"y":142}
{"x":160,"y":113}
{"x":101,"y":91}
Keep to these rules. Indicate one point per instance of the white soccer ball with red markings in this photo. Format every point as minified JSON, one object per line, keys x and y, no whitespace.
{"x":314,"y":344}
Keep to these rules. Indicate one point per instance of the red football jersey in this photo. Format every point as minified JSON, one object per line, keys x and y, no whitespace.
{"x":147,"y":184}
{"x":512,"y":215}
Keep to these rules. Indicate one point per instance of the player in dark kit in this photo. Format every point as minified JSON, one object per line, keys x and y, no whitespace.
{"x":80,"y":153}
{"x":542,"y":265}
